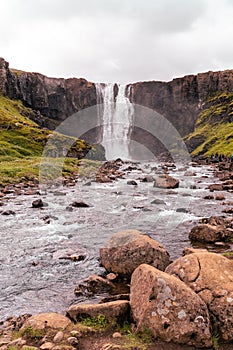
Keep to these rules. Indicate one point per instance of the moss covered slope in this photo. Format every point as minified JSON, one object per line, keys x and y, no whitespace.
{"x":214,"y":127}
{"x":22,"y":142}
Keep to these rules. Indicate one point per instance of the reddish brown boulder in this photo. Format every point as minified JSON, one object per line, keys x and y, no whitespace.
{"x":210,"y":275}
{"x":166,"y":181}
{"x":209,"y":233}
{"x":128,"y":249}
{"x":169,"y":308}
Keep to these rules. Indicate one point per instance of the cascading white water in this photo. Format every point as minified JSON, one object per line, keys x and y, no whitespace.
{"x":117,"y":118}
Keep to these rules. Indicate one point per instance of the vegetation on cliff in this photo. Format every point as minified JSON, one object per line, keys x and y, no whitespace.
{"x":214,"y":128}
{"x":22,"y":142}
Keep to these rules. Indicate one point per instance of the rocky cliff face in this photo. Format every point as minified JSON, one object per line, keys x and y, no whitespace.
{"x":53,"y":98}
{"x":179,"y":101}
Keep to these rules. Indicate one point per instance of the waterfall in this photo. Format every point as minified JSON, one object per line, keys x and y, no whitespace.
{"x":116,"y":112}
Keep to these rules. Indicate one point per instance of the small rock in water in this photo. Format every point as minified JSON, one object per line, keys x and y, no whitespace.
{"x":158,"y":201}
{"x":38,"y":203}
{"x":209,"y":196}
{"x":219,"y":197}
{"x":132,"y":182}
{"x":79,"y":204}
{"x":181,"y":210}
{"x":8,"y":212}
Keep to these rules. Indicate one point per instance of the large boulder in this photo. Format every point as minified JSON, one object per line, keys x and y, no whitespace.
{"x":169,"y":308}
{"x":128,"y":249}
{"x":210,"y":275}
{"x":166,"y":181}
{"x":113,"y":311}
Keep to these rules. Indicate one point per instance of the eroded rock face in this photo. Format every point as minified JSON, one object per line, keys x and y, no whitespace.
{"x":128,"y":249}
{"x":210,"y":275}
{"x":169,"y":308}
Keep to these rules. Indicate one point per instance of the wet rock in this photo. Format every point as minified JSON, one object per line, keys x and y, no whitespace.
{"x":8,"y":212}
{"x":190,"y":173}
{"x":147,"y":178}
{"x":228,"y":211}
{"x":166,"y":181}
{"x":80,"y":204}
{"x":209,"y":233}
{"x":69,"y":208}
{"x":43,"y":320}
{"x":220,"y":197}
{"x":215,"y":187}
{"x":128,"y":249}
{"x":132,"y":182}
{"x":158,"y":201}
{"x":117,"y":311}
{"x":169,"y":308}
{"x":182,"y":210}
{"x":209,"y":196}
{"x":38,"y":203}
{"x":210,"y":275}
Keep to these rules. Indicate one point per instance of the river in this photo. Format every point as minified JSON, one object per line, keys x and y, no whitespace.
{"x":34,"y":278}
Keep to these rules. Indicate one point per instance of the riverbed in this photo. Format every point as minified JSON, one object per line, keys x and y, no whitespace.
{"x":35,"y":278}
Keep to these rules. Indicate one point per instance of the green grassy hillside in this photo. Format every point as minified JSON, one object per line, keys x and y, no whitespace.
{"x":214,"y":127}
{"x":22,"y":142}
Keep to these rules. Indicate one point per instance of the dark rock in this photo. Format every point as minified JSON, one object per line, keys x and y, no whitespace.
{"x":182,"y":210}
{"x":38,"y":203}
{"x":8,"y":212}
{"x":147,"y":178}
{"x":158,"y":201}
{"x":80,"y":204}
{"x":132,"y":182}
{"x":208,"y":196}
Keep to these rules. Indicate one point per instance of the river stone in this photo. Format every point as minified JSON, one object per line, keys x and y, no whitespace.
{"x":169,"y":308}
{"x":210,"y":275}
{"x":43,"y":320}
{"x":117,"y":311}
{"x":128,"y":249}
{"x":209,"y":233}
{"x":166,"y":181}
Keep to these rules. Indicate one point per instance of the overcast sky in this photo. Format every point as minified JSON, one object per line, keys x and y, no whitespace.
{"x":117,"y":40}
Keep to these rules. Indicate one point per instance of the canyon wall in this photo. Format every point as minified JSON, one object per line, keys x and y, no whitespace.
{"x":179,"y":101}
{"x":55,"y":98}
